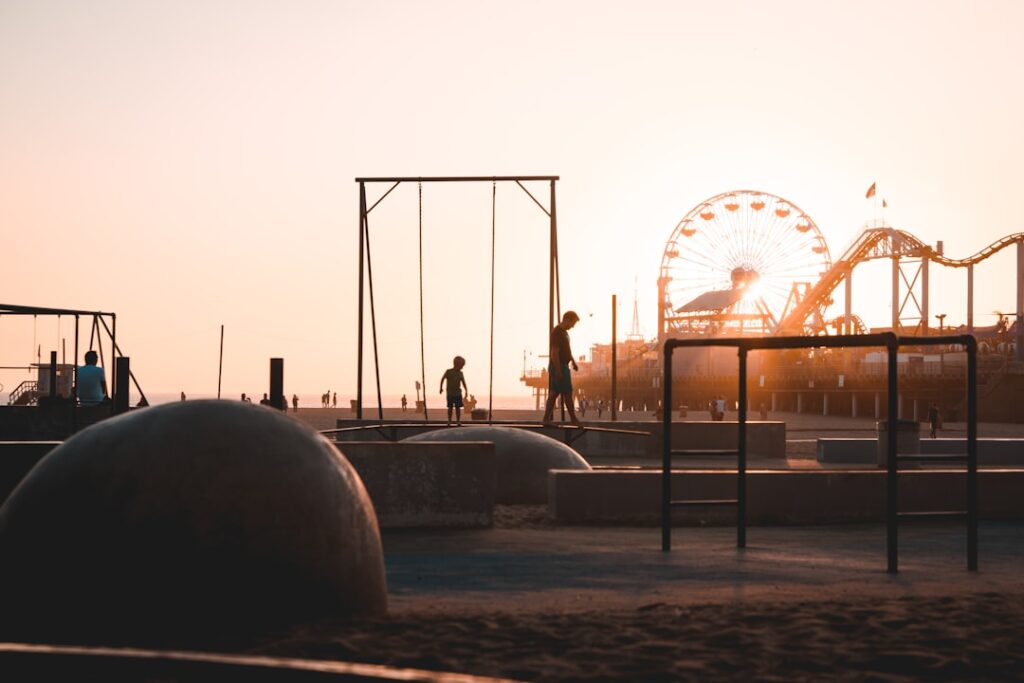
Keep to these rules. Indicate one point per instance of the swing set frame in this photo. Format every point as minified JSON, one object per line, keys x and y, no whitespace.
{"x":366,"y":270}
{"x":99,"y":319}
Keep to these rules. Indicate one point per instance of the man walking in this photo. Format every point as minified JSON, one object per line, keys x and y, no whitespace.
{"x":559,"y":378}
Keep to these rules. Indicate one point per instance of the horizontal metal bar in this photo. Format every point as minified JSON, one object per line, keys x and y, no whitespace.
{"x":14,"y":309}
{"x":703,"y":451}
{"x":457,"y":179}
{"x":935,"y":514}
{"x":702,"y":503}
{"x":925,"y":457}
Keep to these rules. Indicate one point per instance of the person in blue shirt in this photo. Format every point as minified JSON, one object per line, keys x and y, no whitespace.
{"x":456,"y":383}
{"x":92,"y":382}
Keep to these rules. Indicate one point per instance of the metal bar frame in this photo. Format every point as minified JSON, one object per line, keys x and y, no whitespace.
{"x":892,"y":343}
{"x":554,"y":295}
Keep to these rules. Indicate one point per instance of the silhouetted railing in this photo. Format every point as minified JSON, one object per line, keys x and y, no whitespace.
{"x":892,"y":344}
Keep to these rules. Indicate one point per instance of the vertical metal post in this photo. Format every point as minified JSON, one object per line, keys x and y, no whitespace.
{"x":666,"y":451}
{"x":121,"y":365}
{"x":972,"y":454}
{"x":741,"y":451}
{"x":53,"y":374}
{"x":970,"y":298}
{"x":113,"y":350}
{"x":615,"y":359}
{"x":220,"y":364}
{"x":551,"y":264}
{"x":892,"y":499}
{"x":74,"y":386}
{"x":359,"y":344}
{"x":277,"y":382}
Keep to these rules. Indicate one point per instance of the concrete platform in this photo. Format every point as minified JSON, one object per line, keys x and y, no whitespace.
{"x":773,"y":496}
{"x":991,"y":452}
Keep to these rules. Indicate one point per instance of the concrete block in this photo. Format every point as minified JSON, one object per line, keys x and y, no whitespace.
{"x":991,"y":452}
{"x":432,"y":484}
{"x":773,"y":496}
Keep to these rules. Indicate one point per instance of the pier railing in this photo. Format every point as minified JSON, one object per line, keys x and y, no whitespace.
{"x":891,"y":343}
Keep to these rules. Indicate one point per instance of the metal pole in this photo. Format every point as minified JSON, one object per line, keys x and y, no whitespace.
{"x":554,"y":251}
{"x":741,"y":467}
{"x":970,"y":298}
{"x":892,"y":492}
{"x":972,"y":453}
{"x":359,"y":345}
{"x":220,"y":365}
{"x":277,"y":383}
{"x":74,"y":388}
{"x":113,"y":351}
{"x":53,"y":374}
{"x":551,"y":265}
{"x":666,"y":452}
{"x":615,"y":358}
{"x":122,"y":365}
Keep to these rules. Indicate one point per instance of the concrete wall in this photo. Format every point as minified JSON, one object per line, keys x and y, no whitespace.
{"x":991,"y":452}
{"x":773,"y":497}
{"x":427,"y":484}
{"x":764,"y":439}
{"x":35,"y":423}
{"x":411,"y":485}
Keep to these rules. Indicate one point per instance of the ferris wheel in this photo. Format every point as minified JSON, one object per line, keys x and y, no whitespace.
{"x":737,"y":261}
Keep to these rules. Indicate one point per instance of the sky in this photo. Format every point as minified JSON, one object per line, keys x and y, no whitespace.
{"x":191,"y":164}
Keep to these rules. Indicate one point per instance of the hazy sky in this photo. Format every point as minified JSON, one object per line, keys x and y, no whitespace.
{"x":188,"y":164}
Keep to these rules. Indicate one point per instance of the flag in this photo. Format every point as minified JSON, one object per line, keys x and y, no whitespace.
{"x":871,"y":192}
{"x":885,"y":204}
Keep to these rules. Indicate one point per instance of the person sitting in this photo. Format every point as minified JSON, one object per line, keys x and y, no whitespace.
{"x":92,"y":382}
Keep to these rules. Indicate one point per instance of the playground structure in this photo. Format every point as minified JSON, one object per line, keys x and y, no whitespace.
{"x":56,"y":380}
{"x":366,"y":273}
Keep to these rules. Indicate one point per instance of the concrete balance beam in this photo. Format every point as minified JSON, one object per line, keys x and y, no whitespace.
{"x":991,"y":452}
{"x":764,"y":439}
{"x":773,"y":496}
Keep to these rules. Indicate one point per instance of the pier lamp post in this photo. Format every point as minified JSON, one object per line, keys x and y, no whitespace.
{"x":941,"y":317}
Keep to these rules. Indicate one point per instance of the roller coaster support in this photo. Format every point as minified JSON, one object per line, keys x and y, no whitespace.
{"x":1020,"y":301}
{"x":970,"y":298}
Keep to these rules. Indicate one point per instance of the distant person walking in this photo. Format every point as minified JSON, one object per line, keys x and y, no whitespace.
{"x":265,"y":401}
{"x":334,"y":400}
{"x":559,"y":360}
{"x":934,"y":421}
{"x":295,"y":403}
{"x":183,"y":396}
{"x":456,"y":383}
{"x":405,"y":403}
{"x":92,"y":382}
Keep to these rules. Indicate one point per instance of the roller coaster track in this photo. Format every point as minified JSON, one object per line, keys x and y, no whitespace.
{"x":876,"y":243}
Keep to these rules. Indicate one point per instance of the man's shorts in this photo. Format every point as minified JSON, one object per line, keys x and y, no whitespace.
{"x":561,"y":385}
{"x":455,"y":400}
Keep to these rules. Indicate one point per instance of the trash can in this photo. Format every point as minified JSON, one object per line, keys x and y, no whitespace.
{"x":908,"y":439}
{"x":682,"y":411}
{"x":478,"y":414}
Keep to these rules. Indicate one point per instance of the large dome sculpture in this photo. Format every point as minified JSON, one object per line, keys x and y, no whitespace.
{"x":186,"y":521}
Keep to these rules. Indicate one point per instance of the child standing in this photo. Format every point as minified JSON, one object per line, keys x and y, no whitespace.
{"x":456,"y":383}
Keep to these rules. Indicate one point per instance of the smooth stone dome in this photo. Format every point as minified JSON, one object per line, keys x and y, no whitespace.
{"x":187,"y":520}
{"x":522,"y":457}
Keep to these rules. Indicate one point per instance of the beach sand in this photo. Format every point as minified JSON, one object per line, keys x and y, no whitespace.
{"x":530,"y":601}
